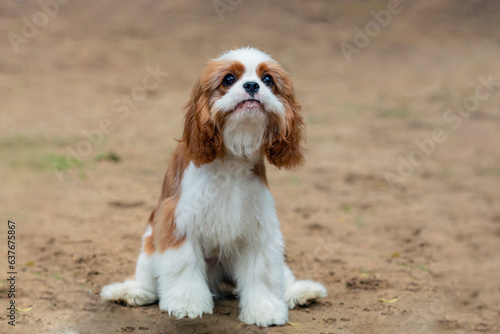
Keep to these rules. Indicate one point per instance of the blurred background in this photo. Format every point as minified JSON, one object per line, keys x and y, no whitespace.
{"x":396,"y":211}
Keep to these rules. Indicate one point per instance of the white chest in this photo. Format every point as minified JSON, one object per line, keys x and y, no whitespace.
{"x":222,"y":204}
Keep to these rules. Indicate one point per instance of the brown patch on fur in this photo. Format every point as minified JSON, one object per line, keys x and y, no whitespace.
{"x":148,"y":242}
{"x":202,"y":133}
{"x":283,"y":139}
{"x":151,"y":217}
{"x":202,"y":138}
{"x":164,"y":229}
{"x":259,"y":170}
{"x":216,"y":70}
{"x":162,"y":219}
{"x":173,"y":176}
{"x":149,"y":247}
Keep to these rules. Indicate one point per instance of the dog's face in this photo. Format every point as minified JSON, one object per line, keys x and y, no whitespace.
{"x":248,"y":84}
{"x":244,"y":105}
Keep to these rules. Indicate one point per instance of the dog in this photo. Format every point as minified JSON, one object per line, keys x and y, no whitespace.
{"x":215,"y":222}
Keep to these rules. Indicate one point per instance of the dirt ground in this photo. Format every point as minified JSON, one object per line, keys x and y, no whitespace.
{"x":405,"y":241}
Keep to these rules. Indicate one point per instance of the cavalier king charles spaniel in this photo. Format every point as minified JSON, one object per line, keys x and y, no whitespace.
{"x":215,"y":222}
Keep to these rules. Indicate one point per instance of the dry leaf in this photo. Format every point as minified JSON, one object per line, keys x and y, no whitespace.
{"x":24,"y":309}
{"x":389,"y":301}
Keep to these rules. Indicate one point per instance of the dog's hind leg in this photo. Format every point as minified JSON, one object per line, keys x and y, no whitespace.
{"x":301,"y":292}
{"x":141,"y":290}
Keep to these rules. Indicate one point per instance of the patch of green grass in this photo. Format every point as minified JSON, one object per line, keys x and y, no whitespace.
{"x":401,"y":112}
{"x":314,"y":119}
{"x":23,"y":141}
{"x":57,"y":162}
{"x":27,"y":159}
{"x":149,"y":51}
{"x":346,"y":208}
{"x":421,"y":267}
{"x":294,"y":180}
{"x":18,"y":87}
{"x":56,"y":276}
{"x":107,"y":156}
{"x":17,"y":141}
{"x":364,"y":271}
{"x":494,"y":171}
{"x":417,"y":266}
{"x":332,"y":138}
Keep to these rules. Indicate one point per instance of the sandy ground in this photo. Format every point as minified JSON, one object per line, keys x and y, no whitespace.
{"x":418,"y":254}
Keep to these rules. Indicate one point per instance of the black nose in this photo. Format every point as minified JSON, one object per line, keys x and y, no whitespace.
{"x":251,"y":87}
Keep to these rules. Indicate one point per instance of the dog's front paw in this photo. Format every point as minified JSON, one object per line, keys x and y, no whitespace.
{"x":191,"y":305}
{"x":265,"y":312}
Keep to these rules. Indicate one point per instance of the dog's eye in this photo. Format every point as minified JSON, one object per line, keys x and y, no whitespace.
{"x":268,"y":80}
{"x":228,"y":80}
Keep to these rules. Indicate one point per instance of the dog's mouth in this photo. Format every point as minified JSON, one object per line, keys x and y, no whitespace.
{"x":250,"y":104}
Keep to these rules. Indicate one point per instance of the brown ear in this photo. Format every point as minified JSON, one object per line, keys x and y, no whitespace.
{"x":284,"y":137}
{"x":202,"y":138}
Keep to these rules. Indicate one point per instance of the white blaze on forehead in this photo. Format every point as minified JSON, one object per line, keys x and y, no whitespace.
{"x":249,"y":57}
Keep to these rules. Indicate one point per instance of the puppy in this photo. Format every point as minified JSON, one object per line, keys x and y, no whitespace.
{"x":215,"y":221}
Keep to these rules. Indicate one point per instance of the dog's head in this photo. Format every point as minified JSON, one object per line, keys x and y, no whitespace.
{"x":244,"y":105}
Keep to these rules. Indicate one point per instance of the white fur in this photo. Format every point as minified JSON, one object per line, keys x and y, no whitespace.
{"x":232,"y":231}
{"x":248,"y":56}
{"x":182,"y":284}
{"x":234,"y":220}
{"x":244,"y":131}
{"x":223,"y":203}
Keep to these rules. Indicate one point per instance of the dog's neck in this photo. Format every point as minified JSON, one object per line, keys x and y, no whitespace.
{"x":243,"y":135}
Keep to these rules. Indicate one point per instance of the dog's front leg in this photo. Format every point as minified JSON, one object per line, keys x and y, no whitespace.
{"x":182,"y":282}
{"x":260,"y":282}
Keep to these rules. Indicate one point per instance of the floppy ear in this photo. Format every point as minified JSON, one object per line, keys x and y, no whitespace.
{"x":203,"y":139}
{"x":285,"y":135}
